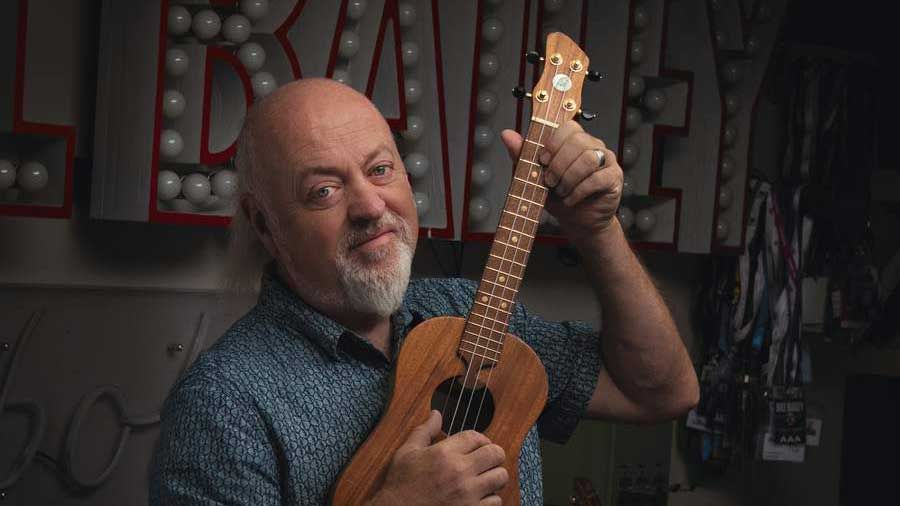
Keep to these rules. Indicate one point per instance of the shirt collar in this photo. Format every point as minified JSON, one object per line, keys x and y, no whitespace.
{"x":290,"y":310}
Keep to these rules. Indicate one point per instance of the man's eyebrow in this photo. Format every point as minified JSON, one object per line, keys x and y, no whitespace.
{"x":322,"y":170}
{"x":380,"y":149}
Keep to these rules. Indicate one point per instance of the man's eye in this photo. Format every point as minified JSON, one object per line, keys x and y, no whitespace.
{"x":323,"y":192}
{"x":380,"y":170}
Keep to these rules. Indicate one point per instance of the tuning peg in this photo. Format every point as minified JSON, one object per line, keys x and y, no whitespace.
{"x":587,"y":116}
{"x":595,"y":75}
{"x":519,"y":92}
{"x":533,"y":57}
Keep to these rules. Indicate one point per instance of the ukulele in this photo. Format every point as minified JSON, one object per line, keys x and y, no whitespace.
{"x":479,"y":376}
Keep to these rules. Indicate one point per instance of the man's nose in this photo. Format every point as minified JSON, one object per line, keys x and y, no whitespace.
{"x":366,"y":203}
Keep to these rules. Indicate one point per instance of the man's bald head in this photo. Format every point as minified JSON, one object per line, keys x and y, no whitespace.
{"x":279,"y":126}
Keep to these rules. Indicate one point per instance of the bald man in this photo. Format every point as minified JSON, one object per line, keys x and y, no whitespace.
{"x":276,"y":408}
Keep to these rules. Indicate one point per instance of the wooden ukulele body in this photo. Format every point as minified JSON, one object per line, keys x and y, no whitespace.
{"x":428,"y":358}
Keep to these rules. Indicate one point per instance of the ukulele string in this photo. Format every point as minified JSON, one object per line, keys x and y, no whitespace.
{"x":515,"y":218}
{"x":493,"y":287}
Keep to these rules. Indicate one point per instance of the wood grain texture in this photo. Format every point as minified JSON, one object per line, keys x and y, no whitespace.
{"x":428,"y":357}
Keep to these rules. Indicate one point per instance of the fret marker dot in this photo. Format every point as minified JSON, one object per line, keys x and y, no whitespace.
{"x":501,"y":279}
{"x":484,"y":298}
{"x":534,"y":174}
{"x":514,"y":238}
{"x":524,"y":209}
{"x":503,"y":305}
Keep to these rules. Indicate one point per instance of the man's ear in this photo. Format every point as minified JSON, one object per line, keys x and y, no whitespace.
{"x":257,"y":219}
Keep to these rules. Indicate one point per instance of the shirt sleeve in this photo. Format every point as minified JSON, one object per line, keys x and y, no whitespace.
{"x":212,"y":450}
{"x":570,"y":352}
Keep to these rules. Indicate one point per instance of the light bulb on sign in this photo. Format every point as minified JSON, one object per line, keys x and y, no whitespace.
{"x":732,"y":104}
{"x":725,"y":197}
{"x":481,"y":173}
{"x":32,"y":177}
{"x":349,"y":44}
{"x":356,"y":9}
{"x":640,"y":18}
{"x":236,"y":29}
{"x":487,"y":103}
{"x":179,"y":20}
{"x":413,"y":91}
{"x":655,"y":100}
{"x":630,"y":154}
{"x":423,"y":203}
{"x":170,"y":143}
{"x":731,"y":73}
{"x":719,"y":38}
{"x":645,"y":220}
{"x":224,"y":184}
{"x":206,"y":24}
{"x":415,"y":127}
{"x":342,"y":76}
{"x":416,"y":165}
{"x":484,"y":136}
{"x":195,"y":188}
{"x":492,"y":29}
{"x":7,"y":174}
{"x":406,"y":14}
{"x":722,"y":229}
{"x":726,"y":167}
{"x":479,"y":209}
{"x":635,"y":85}
{"x":751,"y":45}
{"x":633,"y":118}
{"x":173,"y":104}
{"x":626,"y":217}
{"x":168,"y":185}
{"x":729,"y":135}
{"x":637,"y":51}
{"x":409,"y":52}
{"x":489,"y":65}
{"x":177,"y":62}
{"x":263,"y":84}
{"x":252,"y":57}
{"x":255,"y":9}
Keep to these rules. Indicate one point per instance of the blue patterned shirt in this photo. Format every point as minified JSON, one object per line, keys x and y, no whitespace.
{"x":273,"y":411}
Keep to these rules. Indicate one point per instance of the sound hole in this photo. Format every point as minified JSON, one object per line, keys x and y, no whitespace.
{"x":463,"y":408}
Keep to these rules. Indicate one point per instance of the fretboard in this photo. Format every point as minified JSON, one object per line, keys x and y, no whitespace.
{"x":488,"y":319}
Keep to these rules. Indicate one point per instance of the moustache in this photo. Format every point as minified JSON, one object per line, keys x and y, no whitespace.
{"x":389,"y":222}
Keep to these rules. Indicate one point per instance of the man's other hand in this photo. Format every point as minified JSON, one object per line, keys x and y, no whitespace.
{"x":463,"y":469}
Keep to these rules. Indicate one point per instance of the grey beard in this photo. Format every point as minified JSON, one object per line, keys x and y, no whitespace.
{"x":375,"y":291}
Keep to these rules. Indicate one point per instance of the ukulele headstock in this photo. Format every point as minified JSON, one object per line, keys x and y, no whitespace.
{"x":556,"y":98}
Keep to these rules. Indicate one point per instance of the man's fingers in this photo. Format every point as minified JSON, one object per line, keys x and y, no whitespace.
{"x":493,"y":480}
{"x":559,"y":136}
{"x":571,"y":157}
{"x":513,"y":142}
{"x":601,"y":182}
{"x":487,"y":457}
{"x":491,"y":500}
{"x":465,"y":442}
{"x":424,"y":434}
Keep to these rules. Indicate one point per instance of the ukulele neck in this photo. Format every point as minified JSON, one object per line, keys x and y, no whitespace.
{"x":488,"y":319}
